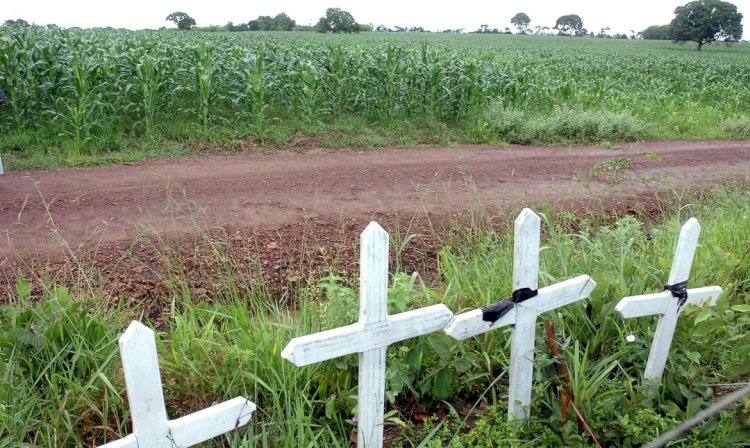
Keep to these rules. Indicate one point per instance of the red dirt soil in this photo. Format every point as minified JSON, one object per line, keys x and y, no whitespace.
{"x":280,"y":196}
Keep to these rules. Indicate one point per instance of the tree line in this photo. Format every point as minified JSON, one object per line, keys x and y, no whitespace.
{"x":700,"y":21}
{"x":335,"y":20}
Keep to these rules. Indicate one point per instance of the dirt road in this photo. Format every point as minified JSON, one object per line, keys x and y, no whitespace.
{"x":109,"y":204}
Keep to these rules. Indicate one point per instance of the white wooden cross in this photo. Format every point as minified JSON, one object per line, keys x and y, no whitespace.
{"x":151,"y":429}
{"x":665,"y":304}
{"x":370,"y":336}
{"x":522,"y":316}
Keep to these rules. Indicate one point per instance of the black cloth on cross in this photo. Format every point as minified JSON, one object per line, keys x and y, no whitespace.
{"x":679,"y":291}
{"x":491,"y":313}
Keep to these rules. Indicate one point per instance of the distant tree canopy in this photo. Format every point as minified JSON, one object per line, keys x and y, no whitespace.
{"x":656,"y":32}
{"x":230,"y":26}
{"x":337,"y":20}
{"x":283,"y":22}
{"x":521,"y":21}
{"x":485,"y":29}
{"x":182,"y":20}
{"x":706,"y":21}
{"x":570,"y":25}
{"x":17,"y":22}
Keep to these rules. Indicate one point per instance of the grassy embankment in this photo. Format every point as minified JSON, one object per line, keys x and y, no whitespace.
{"x":61,"y":383}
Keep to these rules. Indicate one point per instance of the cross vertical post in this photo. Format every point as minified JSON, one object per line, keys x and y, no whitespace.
{"x":151,"y":427}
{"x":370,"y":336}
{"x":140,"y":366}
{"x":373,"y":308}
{"x":668,"y":304}
{"x":521,"y":311}
{"x":523,"y":335}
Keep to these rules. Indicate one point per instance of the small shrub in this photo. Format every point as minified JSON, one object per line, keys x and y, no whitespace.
{"x":570,"y":125}
{"x":562,"y":125}
{"x":738,"y":127}
{"x":504,"y":123}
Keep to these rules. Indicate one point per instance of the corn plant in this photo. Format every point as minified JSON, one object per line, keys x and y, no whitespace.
{"x":81,"y":107}
{"x":309,"y":80}
{"x":205,"y":74}
{"x":248,"y":92}
{"x":17,"y":60}
{"x":149,"y":80}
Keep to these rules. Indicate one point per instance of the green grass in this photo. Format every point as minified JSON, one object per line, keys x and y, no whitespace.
{"x":61,"y":382}
{"x":78,"y":97}
{"x":562,"y":125}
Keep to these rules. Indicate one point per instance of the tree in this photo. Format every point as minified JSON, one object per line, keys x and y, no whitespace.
{"x":283,"y":22}
{"x":337,"y":20}
{"x":182,"y":20}
{"x":230,"y":26}
{"x":521,"y":22}
{"x":17,"y":22}
{"x":570,"y":25}
{"x":656,"y":32}
{"x":485,"y":29}
{"x":265,"y":23}
{"x":706,"y":21}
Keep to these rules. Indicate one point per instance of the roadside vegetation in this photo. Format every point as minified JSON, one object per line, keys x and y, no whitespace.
{"x":77,"y":97}
{"x":61,"y":382}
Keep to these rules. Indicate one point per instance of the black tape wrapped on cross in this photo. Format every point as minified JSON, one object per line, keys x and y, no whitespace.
{"x":491,"y":313}
{"x":679,"y":291}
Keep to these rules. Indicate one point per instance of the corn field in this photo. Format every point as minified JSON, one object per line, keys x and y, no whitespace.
{"x":80,"y":84}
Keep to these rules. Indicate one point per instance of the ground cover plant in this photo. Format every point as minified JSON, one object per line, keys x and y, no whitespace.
{"x":62,"y":384}
{"x":101,"y":96}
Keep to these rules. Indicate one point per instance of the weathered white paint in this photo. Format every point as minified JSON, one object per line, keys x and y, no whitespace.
{"x":466,"y":325}
{"x":151,"y":428}
{"x":687,"y":243}
{"x":523,"y":316}
{"x":359,"y":337}
{"x":652,"y":304}
{"x":370,"y":336}
{"x":667,"y":306}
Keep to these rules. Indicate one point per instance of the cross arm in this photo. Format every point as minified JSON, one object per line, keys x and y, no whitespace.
{"x":211,"y":422}
{"x":200,"y":426}
{"x":470,"y":324}
{"x":652,"y":304}
{"x":128,"y":442}
{"x":357,"y":338}
{"x":644,"y":305}
{"x":561,"y":294}
{"x":707,"y":295}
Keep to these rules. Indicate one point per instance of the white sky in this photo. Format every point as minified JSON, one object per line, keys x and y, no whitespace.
{"x":620,"y":16}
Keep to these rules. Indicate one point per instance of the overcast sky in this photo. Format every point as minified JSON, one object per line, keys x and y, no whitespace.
{"x":620,"y":16}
